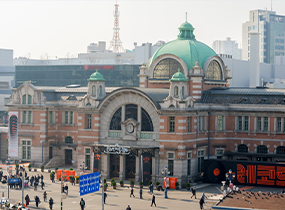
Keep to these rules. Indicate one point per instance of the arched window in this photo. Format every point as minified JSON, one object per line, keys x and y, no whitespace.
{"x":29,"y":99}
{"x":116,"y":120}
{"x":264,"y":101}
{"x":100,"y":90}
{"x":182,"y":91}
{"x":280,"y":150}
{"x":262,"y":149}
{"x":214,"y":71}
{"x":93,"y":90}
{"x":88,"y":104}
{"x":166,"y":68}
{"x":68,"y":140}
{"x":171,"y":106}
{"x":131,"y":111}
{"x":175,"y":91}
{"x":245,"y":101}
{"x":146,"y":121}
{"x":242,"y":148}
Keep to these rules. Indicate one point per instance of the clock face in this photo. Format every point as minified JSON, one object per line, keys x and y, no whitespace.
{"x":130,"y":128}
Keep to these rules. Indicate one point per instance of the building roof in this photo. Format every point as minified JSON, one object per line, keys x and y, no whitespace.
{"x":186,"y":47}
{"x":178,"y":77}
{"x":244,"y":96}
{"x":96,"y":76}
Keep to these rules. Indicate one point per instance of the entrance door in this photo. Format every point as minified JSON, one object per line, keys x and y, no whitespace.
{"x":50,"y":153}
{"x":130,"y":166}
{"x":114,"y":166}
{"x":68,"y":156}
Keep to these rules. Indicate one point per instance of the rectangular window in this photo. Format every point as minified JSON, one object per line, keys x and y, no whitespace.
{"x":50,"y":117}
{"x":189,"y":125}
{"x":265,"y":124}
{"x":26,"y":150}
{"x":88,"y":121}
{"x":30,"y":117}
{"x":7,"y":146}
{"x":24,"y":120}
{"x":219,"y":153}
{"x":189,"y":164}
{"x":220,"y":123}
{"x":281,"y":40}
{"x":278,"y":124}
{"x":66,"y":117}
{"x":71,"y":118}
{"x":87,"y":158}
{"x":201,"y":123}
{"x":201,"y":161}
{"x":258,"y":124}
{"x":171,"y":124}
{"x":239,"y":123}
{"x":170,"y":163}
{"x":276,"y":40}
{"x":24,"y":99}
{"x":29,"y":99}
{"x":246,"y":119}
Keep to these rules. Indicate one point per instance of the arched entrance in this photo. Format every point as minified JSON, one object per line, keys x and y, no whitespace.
{"x":114,"y":166}
{"x":68,"y":152}
{"x":130,"y":166}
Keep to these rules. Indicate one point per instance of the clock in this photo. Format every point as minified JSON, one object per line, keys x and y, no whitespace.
{"x":130,"y":128}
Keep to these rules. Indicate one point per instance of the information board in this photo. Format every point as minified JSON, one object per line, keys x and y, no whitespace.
{"x":89,"y":183}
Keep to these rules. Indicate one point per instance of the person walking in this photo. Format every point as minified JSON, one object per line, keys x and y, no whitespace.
{"x":105,"y":196}
{"x":151,"y":188}
{"x":45,"y":196}
{"x":35,"y":186}
{"x":42,"y":185}
{"x":52,"y":177}
{"x":82,"y":204}
{"x":128,"y":208}
{"x":37,"y":200}
{"x":201,"y":202}
{"x":141,"y":192}
{"x":66,"y":189}
{"x":193,"y":192}
{"x":27,"y":199}
{"x":132,"y":193}
{"x":50,"y":202}
{"x":153,"y":200}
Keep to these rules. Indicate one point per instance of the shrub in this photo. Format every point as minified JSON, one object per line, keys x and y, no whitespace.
{"x":176,"y":184}
{"x":29,"y":166}
{"x":121,"y":182}
{"x":56,"y":168}
{"x":17,"y":165}
{"x":141,"y":183}
{"x":112,"y":180}
{"x":48,"y":167}
{"x":104,"y":181}
{"x":157,"y":183}
{"x":150,"y":182}
{"x":132,"y":182}
{"x":63,"y":169}
{"x":114,"y":183}
{"x":42,"y":167}
{"x":187,"y":184}
{"x":105,"y":185}
{"x":35,"y":167}
{"x":71,"y":169}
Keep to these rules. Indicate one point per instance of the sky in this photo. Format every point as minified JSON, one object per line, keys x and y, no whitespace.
{"x":62,"y":28}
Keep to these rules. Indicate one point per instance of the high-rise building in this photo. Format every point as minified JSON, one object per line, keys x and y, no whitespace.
{"x":271,"y":28}
{"x":227,"y":47}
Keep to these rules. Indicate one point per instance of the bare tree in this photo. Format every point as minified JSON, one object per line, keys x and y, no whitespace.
{"x":24,"y":59}
{"x":45,"y":58}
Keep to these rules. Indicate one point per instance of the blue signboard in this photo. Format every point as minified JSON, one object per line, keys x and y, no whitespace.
{"x":14,"y":180}
{"x":89,"y":183}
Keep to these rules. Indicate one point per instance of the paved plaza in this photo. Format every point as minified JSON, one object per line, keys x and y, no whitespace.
{"x":116,"y":198}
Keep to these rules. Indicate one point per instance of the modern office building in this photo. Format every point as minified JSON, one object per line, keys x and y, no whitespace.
{"x":271,"y":28}
{"x":182,"y":113}
{"x":227,"y":47}
{"x":62,"y":75}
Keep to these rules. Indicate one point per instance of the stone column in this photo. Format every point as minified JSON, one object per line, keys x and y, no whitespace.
{"x":122,"y":174}
{"x":153,"y":169}
{"x":105,"y":164}
{"x":123,"y":119}
{"x":139,"y":118}
{"x":138,"y":166}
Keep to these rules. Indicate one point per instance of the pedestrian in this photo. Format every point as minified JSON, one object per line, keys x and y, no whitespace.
{"x":128,"y":208}
{"x":201,"y":202}
{"x":26,"y":174}
{"x":42,"y":177}
{"x":193,"y":192}
{"x":82,"y":204}
{"x":73,"y":180}
{"x":52,"y":177}
{"x":42,"y":185}
{"x":105,"y":196}
{"x":35,"y":186}
{"x":151,"y":188}
{"x":66,"y":189}
{"x":282,"y":191}
{"x":27,"y":199}
{"x":153,"y":200}
{"x":50,"y":202}
{"x":132,"y":193}
{"x":141,"y":193}
{"x":37,"y":200}
{"x":45,"y":196}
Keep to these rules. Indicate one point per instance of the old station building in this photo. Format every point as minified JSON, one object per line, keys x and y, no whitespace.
{"x":183,"y":112}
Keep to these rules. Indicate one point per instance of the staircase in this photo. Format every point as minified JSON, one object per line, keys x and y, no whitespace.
{"x":54,"y":162}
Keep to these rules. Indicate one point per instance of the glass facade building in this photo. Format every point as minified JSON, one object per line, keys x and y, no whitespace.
{"x":62,"y":75}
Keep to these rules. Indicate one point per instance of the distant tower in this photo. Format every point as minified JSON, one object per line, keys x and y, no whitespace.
{"x":116,"y":43}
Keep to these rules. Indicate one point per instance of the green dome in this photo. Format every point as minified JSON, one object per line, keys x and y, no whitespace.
{"x":178,"y":77}
{"x":96,"y":76}
{"x":186,"y":47}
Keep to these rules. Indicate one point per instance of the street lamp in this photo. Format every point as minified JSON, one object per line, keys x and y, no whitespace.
{"x":166,"y":172}
{"x":8,"y":162}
